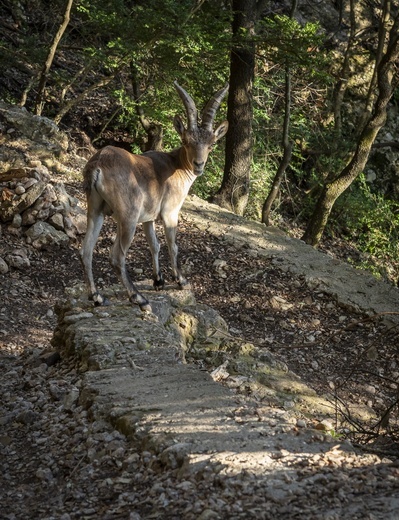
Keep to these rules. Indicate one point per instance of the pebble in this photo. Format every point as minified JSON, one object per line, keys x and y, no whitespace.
{"x":19,"y":190}
{"x":324,"y":425}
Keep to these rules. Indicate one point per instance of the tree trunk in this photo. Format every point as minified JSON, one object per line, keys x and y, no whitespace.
{"x":286,"y":144}
{"x":50,"y":57}
{"x":382,"y":32}
{"x":287,"y":153}
{"x":234,"y":191}
{"x":332,"y":190}
{"x":344,"y":73}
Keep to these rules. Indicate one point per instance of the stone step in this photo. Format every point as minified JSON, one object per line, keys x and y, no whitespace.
{"x":136,"y":377}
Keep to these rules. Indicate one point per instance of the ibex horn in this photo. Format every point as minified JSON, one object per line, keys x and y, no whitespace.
{"x":189,"y":105}
{"x":208,"y":114}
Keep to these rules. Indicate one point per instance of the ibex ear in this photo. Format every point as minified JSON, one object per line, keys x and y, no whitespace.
{"x":178,"y":124}
{"x":221,"y":130}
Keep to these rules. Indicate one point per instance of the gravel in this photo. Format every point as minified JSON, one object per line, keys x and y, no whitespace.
{"x":57,"y":463}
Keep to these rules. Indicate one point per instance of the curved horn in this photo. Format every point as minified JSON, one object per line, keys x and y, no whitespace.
{"x":189,"y":106}
{"x":208,"y":114}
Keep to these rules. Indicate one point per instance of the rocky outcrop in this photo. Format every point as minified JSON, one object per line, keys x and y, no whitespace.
{"x":20,"y":128}
{"x":33,"y":201}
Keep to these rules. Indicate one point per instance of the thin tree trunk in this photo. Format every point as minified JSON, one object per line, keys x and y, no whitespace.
{"x":79,"y":78}
{"x":342,"y":83}
{"x":50,"y":57}
{"x":287,"y":152}
{"x":106,"y":124}
{"x":27,"y":89}
{"x":332,"y":190}
{"x":286,"y":144}
{"x":382,"y":32}
{"x":72,"y":102}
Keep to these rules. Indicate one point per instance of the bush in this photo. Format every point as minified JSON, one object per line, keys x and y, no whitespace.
{"x":372,"y":222}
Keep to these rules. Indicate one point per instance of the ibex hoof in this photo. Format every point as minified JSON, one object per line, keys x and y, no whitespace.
{"x":159,"y":282}
{"x":139,"y":300}
{"x":145,"y":307}
{"x":99,"y":300}
{"x":183,"y":283}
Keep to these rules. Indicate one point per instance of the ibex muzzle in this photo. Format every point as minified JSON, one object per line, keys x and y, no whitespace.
{"x":142,"y":188}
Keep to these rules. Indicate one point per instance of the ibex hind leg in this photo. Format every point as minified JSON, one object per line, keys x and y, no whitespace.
{"x":124,"y":237}
{"x":149,"y":231}
{"x":95,"y":221}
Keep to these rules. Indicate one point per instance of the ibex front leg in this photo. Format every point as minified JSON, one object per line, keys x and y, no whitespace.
{"x":170,"y":226}
{"x":124,"y":237}
{"x":149,"y":231}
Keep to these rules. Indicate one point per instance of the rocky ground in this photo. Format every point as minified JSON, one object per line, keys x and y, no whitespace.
{"x":57,"y":463}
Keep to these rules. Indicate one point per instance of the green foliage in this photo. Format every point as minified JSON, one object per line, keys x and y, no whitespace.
{"x":155,"y":42}
{"x":260,"y":182}
{"x":372,"y":223}
{"x":163,"y":40}
{"x":183,"y":44}
{"x":285,"y":41}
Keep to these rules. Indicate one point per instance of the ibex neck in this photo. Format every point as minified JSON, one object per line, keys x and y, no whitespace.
{"x":182,"y":163}
{"x":186,"y":165}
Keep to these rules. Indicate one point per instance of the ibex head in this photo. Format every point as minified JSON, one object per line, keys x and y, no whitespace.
{"x":199,"y":138}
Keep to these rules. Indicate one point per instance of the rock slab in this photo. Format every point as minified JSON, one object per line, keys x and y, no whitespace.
{"x":136,"y":377}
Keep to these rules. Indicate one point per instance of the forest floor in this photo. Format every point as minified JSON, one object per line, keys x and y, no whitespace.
{"x":329,"y":346}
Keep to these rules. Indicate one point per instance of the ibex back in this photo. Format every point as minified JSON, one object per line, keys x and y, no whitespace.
{"x":142,"y":188}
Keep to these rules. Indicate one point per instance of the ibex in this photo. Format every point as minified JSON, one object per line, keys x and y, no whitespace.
{"x":142,"y":188}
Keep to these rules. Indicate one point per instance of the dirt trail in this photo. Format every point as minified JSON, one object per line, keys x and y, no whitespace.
{"x":351,"y":287}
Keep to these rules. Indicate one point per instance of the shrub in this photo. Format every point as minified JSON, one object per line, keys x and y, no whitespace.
{"x":372,"y":222}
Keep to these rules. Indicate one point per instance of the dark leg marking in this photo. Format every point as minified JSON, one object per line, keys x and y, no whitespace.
{"x":159,"y":281}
